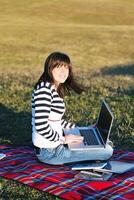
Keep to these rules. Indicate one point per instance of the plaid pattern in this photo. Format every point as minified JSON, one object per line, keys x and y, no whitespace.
{"x":20,"y":164}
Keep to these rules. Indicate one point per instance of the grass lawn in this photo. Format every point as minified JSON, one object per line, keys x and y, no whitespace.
{"x":97,"y":35}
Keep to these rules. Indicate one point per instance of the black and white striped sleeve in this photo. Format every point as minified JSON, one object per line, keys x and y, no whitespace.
{"x":42,"y":101}
{"x":66,"y":124}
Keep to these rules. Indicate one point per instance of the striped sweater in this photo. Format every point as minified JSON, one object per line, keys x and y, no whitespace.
{"x":47,"y":106}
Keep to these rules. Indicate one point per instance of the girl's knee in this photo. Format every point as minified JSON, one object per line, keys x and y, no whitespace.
{"x":109,"y":152}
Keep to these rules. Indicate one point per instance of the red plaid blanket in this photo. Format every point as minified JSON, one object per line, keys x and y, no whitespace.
{"x":20,"y":164}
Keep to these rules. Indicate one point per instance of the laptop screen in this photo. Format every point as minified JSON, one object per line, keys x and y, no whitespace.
{"x":104,"y":121}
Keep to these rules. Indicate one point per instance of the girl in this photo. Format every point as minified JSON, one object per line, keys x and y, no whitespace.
{"x":47,"y":115}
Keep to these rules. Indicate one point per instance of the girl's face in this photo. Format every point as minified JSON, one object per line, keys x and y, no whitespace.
{"x":60,"y":74}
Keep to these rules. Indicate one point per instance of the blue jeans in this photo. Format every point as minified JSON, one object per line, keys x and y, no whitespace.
{"x":61,"y":155}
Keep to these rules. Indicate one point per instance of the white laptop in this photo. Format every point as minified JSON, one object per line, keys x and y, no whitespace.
{"x":115,"y":166}
{"x":94,"y":136}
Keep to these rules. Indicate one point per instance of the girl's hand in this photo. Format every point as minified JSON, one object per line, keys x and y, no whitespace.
{"x":73,"y":138}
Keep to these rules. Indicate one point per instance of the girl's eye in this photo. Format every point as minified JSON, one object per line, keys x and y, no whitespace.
{"x":66,"y":66}
{"x":58,"y":66}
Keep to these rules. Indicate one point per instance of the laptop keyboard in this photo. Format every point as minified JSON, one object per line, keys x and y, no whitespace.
{"x":89,"y":137}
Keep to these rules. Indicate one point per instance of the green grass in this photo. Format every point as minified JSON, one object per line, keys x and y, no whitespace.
{"x":97,"y":35}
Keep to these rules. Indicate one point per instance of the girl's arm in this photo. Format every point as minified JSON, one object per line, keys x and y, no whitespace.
{"x":66,"y":124}
{"x":42,"y":100}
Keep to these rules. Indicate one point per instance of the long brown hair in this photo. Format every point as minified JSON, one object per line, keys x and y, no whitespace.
{"x":53,"y":60}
